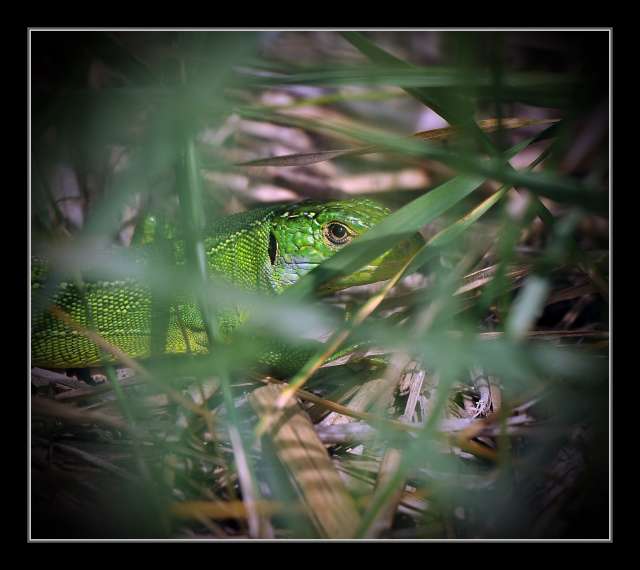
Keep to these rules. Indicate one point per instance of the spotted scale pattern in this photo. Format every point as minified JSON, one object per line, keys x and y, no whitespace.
{"x":266,"y":250}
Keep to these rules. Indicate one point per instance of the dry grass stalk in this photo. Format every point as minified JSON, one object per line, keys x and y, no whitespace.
{"x":325,"y":497}
{"x":222,"y":509}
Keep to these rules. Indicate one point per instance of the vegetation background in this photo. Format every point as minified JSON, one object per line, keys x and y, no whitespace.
{"x":493,"y":348}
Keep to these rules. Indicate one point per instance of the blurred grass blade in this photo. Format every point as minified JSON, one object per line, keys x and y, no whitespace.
{"x":400,"y":225}
{"x":432,"y":78}
{"x":527,"y":307}
{"x":329,"y":348}
{"x":458,"y":111}
{"x":305,"y":159}
{"x":450,"y":105}
{"x":451,"y":232}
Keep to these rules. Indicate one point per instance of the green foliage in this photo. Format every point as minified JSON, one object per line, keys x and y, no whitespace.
{"x":133,"y":117}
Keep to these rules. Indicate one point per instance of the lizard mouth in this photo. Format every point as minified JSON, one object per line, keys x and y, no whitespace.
{"x":294,"y":268}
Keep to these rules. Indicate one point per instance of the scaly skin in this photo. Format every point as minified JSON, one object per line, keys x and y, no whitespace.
{"x":266,"y":250}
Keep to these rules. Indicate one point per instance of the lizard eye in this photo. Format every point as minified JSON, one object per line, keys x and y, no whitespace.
{"x":337,"y":233}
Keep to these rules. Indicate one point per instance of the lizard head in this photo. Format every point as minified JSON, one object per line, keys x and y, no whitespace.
{"x":306,"y":234}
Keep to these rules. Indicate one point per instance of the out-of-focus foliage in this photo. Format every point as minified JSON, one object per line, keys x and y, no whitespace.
{"x":493,"y":348}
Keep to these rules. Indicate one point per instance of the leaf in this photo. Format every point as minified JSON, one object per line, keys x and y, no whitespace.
{"x":305,"y":159}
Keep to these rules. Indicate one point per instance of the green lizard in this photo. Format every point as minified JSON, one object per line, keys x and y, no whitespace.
{"x":266,"y":249}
